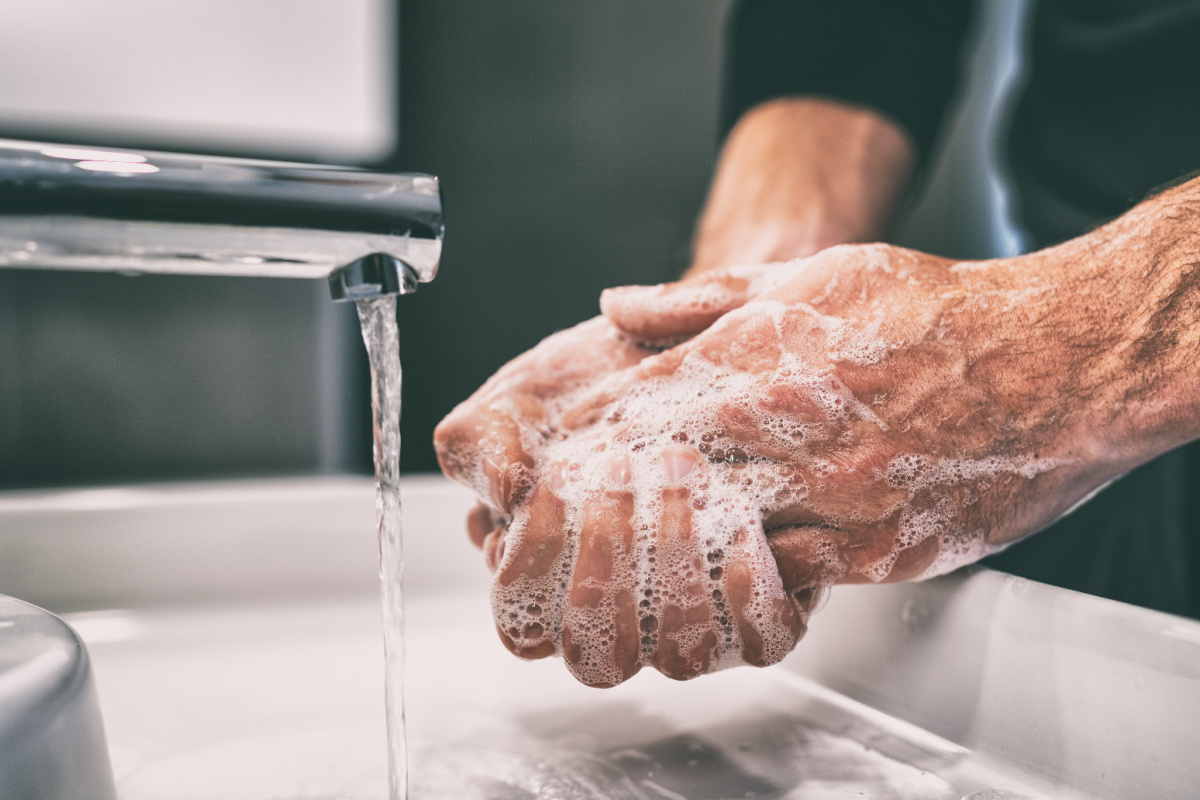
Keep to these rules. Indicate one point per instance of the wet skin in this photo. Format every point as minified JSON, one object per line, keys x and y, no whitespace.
{"x":874,"y":414}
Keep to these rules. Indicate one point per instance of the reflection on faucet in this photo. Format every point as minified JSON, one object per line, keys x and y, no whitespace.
{"x":67,"y":207}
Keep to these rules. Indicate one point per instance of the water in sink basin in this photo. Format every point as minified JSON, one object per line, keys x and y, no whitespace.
{"x":281,"y":703}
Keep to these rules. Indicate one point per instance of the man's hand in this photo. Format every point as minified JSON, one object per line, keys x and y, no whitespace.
{"x":872,"y":414}
{"x":842,"y":427}
{"x":675,"y":484}
{"x":796,"y":175}
{"x":489,"y":442}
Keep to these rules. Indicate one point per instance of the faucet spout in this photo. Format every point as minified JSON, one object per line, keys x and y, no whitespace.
{"x":65,"y":207}
{"x":376,"y":275}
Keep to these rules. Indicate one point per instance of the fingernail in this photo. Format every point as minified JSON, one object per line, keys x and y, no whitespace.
{"x":494,"y":470}
{"x":619,"y":469}
{"x":678,"y":463}
{"x":621,"y":291}
{"x":558,"y":475}
{"x":622,"y":294}
{"x":608,"y":297}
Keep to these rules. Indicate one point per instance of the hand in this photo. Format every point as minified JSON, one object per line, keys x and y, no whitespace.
{"x":867,"y":414}
{"x":489,"y":441}
{"x":899,"y":391}
{"x":879,"y":414}
{"x":703,"y":498}
{"x":796,"y":175}
{"x":817,"y":172}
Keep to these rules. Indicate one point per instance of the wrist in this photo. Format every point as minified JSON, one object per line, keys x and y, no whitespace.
{"x":767,"y":239}
{"x":798,"y":175}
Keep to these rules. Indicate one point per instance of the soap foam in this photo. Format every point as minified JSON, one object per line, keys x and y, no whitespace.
{"x":922,"y":474}
{"x":753,"y":459}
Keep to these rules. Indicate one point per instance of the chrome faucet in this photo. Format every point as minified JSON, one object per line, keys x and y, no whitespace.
{"x":67,"y":207}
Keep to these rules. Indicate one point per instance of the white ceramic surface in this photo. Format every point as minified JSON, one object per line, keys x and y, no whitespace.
{"x":235,"y":638}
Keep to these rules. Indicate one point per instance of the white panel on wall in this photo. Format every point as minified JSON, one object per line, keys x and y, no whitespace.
{"x":293,"y":78}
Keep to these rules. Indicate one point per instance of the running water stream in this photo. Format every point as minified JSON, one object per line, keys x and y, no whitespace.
{"x":382,"y":337}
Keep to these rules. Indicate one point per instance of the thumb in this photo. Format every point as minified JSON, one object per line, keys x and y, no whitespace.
{"x":670,"y":312}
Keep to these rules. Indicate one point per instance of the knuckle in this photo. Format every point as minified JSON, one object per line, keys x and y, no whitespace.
{"x":519,"y":645}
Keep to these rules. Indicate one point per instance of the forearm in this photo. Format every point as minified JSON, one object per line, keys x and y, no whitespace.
{"x":1103,"y":334}
{"x":798,"y":175}
{"x":1151,"y":255}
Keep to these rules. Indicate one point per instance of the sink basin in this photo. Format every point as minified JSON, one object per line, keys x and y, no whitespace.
{"x":284,"y":701}
{"x":234,"y":630}
{"x":51,"y":737}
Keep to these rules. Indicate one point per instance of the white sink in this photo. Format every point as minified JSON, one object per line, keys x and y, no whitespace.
{"x":235,"y":638}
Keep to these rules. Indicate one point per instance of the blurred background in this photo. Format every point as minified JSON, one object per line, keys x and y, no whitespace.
{"x":574,"y":143}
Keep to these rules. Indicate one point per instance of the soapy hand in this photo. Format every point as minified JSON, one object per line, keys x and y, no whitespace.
{"x":489,"y":441}
{"x":868,"y":414}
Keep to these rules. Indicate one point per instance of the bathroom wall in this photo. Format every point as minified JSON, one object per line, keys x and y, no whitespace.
{"x":105,"y":378}
{"x":300,"y":79}
{"x":574,"y":142}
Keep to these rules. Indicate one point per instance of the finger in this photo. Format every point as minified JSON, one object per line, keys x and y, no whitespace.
{"x":480,"y":522}
{"x":595,"y":404}
{"x":803,"y":555}
{"x":494,"y":547}
{"x":806,"y":556}
{"x":600,"y":632}
{"x":871,"y":550}
{"x":768,"y":620}
{"x":508,"y":481}
{"x":592,"y":407}
{"x":500,"y":425}
{"x":911,"y":562}
{"x":674,"y":311}
{"x":810,"y":556}
{"x":481,"y":447}
{"x":527,"y":591}
{"x":679,"y":627}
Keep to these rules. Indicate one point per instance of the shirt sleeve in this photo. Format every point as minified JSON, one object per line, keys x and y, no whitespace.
{"x":897,"y":57}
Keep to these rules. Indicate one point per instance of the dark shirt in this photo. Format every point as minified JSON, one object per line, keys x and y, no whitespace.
{"x":1111,"y":111}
